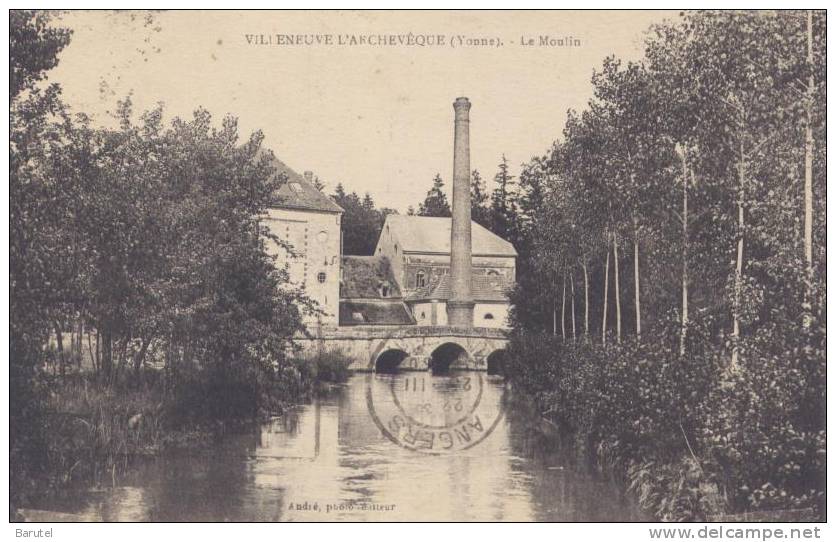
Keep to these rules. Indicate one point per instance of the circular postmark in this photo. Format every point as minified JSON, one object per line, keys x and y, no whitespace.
{"x":432,"y":414}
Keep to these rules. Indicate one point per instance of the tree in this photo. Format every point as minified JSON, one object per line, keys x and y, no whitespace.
{"x":638,"y":156}
{"x":532,"y":190}
{"x":582,"y":175}
{"x":169,"y":219}
{"x":746,"y":91}
{"x":435,"y":204}
{"x":37,"y":130}
{"x":706,"y":157}
{"x":34,"y":45}
{"x":479,"y":210}
{"x":674,"y":103}
{"x":503,"y":202}
{"x":535,"y":287}
{"x":362,"y":221}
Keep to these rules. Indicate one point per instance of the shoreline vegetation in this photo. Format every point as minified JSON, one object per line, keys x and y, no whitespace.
{"x":676,"y":433}
{"x":95,"y":431}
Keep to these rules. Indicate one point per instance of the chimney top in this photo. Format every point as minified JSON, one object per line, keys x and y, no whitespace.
{"x":461,"y":102}
{"x":309,"y":176}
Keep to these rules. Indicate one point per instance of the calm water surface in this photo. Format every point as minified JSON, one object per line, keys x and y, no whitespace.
{"x":330,"y":461}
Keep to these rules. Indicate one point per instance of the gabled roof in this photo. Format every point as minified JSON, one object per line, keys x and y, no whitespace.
{"x":298,"y":193}
{"x":484,"y":289}
{"x":429,"y":234}
{"x":363,"y":277}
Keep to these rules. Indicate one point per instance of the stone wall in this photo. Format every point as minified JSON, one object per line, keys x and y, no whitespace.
{"x":315,"y":238}
{"x":434,"y":313}
{"x":493,"y":315}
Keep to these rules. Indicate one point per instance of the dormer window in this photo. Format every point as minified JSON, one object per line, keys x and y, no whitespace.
{"x":296,"y":187}
{"x":420,"y":279}
{"x":385,"y":289}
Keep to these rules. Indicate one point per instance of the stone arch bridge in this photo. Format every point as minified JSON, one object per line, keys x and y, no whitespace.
{"x":415,"y":348}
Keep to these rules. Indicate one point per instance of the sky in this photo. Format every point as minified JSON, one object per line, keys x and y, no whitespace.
{"x":377,"y":118}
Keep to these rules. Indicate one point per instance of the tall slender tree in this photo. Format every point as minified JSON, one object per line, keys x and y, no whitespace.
{"x":436,"y":203}
{"x":480,"y":211}
{"x":503,"y":202}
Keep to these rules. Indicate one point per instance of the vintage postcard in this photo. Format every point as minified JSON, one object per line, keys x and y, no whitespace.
{"x":424,"y":266}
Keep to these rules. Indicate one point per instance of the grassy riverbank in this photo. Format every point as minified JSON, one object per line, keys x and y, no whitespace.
{"x":94,"y":430}
{"x":689,"y":438}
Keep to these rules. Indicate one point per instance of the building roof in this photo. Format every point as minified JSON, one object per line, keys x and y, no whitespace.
{"x":429,"y":234}
{"x":483,"y":289}
{"x":375,"y":312}
{"x":299,"y":193}
{"x":364,"y":277}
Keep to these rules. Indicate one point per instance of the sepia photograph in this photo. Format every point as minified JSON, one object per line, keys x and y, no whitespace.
{"x":418,"y":266}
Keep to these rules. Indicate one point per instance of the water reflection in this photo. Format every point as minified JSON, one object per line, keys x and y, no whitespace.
{"x":329,"y":461}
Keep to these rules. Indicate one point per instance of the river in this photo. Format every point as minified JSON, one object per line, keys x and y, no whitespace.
{"x":354,"y":454}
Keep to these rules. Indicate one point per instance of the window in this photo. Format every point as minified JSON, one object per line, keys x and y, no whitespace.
{"x":488,"y":316}
{"x":322,"y":237}
{"x":420,"y":279}
{"x":494,"y":277}
{"x":384,"y":289}
{"x":321,"y":277}
{"x":396,"y":248}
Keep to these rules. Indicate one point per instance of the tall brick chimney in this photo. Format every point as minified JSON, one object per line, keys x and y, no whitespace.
{"x":460,"y":305}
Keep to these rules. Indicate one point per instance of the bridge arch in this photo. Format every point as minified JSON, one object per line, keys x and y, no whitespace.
{"x":497,"y":362}
{"x":448,"y":355}
{"x":389,"y":360}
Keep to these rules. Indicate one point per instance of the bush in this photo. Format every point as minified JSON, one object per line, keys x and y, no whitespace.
{"x":764,"y":430}
{"x":680,"y":431}
{"x":672,"y":491}
{"x":94,"y":430}
{"x":534,"y":365}
{"x":332,"y":366}
{"x":329,"y":365}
